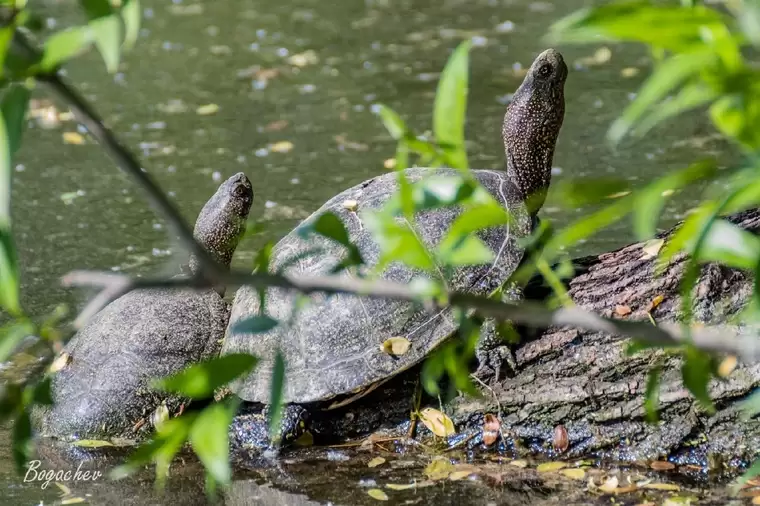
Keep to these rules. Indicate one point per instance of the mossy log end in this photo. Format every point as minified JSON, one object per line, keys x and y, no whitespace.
{"x":586,"y":381}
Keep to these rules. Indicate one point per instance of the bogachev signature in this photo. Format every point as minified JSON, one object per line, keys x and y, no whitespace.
{"x":35,"y":474}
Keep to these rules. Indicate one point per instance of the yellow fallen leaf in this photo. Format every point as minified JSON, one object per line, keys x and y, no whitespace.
{"x":551,"y":466}
{"x":281,"y":147}
{"x":73,"y":138}
{"x":662,"y":486}
{"x":92,"y":443}
{"x":308,"y":57}
{"x":575,"y":474}
{"x":60,"y":362}
{"x":519,"y":463}
{"x":389,"y":163}
{"x":651,"y":248}
{"x":459,"y":475}
{"x":207,"y":110}
{"x":629,"y":72}
{"x":756,"y":499}
{"x":376,"y":493}
{"x":350,"y":205}
{"x":438,"y":423}
{"x":398,"y":346}
{"x":618,"y":195}
{"x":73,"y":500}
{"x":655,"y":302}
{"x":727,"y":366}
{"x":376,"y":462}
{"x":610,"y":485}
{"x":159,"y":415}
{"x":416,"y":484}
{"x":439,"y":469}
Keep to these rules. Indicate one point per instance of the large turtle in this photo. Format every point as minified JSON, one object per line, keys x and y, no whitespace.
{"x":333,"y":348}
{"x":103,"y":390}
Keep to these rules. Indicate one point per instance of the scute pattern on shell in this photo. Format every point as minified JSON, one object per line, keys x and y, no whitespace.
{"x":334,"y":346}
{"x":105,"y":388}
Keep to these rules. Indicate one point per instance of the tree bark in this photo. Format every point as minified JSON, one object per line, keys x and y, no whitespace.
{"x":586,"y":381}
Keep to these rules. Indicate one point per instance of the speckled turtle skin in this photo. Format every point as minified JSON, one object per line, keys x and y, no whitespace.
{"x":104,"y":389}
{"x":334,"y":345}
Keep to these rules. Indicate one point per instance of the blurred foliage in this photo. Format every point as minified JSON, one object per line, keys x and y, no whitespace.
{"x":699,"y":62}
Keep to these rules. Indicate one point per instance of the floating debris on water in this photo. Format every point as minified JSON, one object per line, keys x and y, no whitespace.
{"x":207,"y":109}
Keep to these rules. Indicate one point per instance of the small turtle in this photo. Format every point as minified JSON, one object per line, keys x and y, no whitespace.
{"x":333,"y":348}
{"x":104,"y":388}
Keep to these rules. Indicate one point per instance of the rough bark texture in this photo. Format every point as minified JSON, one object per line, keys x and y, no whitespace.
{"x":586,"y":382}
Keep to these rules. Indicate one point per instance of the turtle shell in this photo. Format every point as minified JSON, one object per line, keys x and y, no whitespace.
{"x":334,"y":344}
{"x":103,"y":388}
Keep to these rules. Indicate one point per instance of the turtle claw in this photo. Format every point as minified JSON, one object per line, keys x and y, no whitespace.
{"x":492,"y":362}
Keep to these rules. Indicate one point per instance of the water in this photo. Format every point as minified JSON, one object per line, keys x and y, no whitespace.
{"x":294,"y":82}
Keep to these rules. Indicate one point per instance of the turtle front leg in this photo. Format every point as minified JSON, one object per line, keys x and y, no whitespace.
{"x":493,"y":354}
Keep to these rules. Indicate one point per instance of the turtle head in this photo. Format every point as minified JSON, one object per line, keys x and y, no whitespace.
{"x":221,"y":222}
{"x":531,"y":126}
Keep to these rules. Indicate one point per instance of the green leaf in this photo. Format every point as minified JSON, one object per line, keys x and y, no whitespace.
{"x":663,"y":81}
{"x":696,"y":376}
{"x":132,"y":14}
{"x":161,"y":449}
{"x":200,"y":380}
{"x":12,"y":335}
{"x":42,"y":393}
{"x":392,"y":121}
{"x":737,"y":116}
{"x":256,"y":324}
{"x":9,"y":276}
{"x":6,"y":36}
{"x":660,"y":26}
{"x":650,"y":200}
{"x":750,"y":473}
{"x":14,"y":105}
{"x":96,"y":8}
{"x":62,"y":46}
{"x":449,"y":115}
{"x":276,"y":397}
{"x":107,"y":33}
{"x":21,"y":444}
{"x":329,"y":225}
{"x":652,"y":396}
{"x":751,"y":406}
{"x":469,"y":251}
{"x":210,"y":440}
{"x":11,"y":399}
{"x":397,"y":242}
{"x":691,"y":96}
{"x":730,"y":245}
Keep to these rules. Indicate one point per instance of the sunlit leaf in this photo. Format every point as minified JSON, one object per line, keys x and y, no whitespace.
{"x":200,"y":380}
{"x":377,"y":494}
{"x":469,"y":251}
{"x":9,"y":282}
{"x":664,"y":80}
{"x":14,"y":104}
{"x":210,"y":441}
{"x":12,"y":335}
{"x":6,"y":35}
{"x":696,"y":376}
{"x":107,"y":33}
{"x":62,"y":46}
{"x":132,"y":14}
{"x":691,"y":96}
{"x":276,"y":396}
{"x":450,"y":110}
{"x":730,"y":245}
{"x":257,"y":324}
{"x":650,"y":200}
{"x":397,"y":241}
{"x":737,"y":116}
{"x":584,"y":191}
{"x":662,"y":26}
{"x":392,"y":121}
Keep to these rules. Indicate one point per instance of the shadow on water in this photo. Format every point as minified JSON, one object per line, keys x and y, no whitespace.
{"x":294,"y":82}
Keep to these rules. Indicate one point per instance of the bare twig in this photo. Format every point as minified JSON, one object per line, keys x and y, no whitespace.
{"x":715,"y":339}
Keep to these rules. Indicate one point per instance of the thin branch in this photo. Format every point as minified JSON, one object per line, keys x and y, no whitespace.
{"x":123,"y":158}
{"x":715,"y":339}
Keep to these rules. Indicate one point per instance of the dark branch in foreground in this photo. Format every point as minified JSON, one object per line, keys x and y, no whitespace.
{"x":714,"y":339}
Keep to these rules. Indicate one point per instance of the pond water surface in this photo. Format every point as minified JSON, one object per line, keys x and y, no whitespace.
{"x":294,"y":82}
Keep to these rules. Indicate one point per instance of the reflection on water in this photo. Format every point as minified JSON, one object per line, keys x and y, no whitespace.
{"x":283,"y":90}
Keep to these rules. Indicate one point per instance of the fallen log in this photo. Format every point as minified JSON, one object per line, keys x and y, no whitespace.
{"x":586,"y":382}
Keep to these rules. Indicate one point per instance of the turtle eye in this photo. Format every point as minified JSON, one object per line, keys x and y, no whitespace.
{"x":239,"y":191}
{"x":544,"y":70}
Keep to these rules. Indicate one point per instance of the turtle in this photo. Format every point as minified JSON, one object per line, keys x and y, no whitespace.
{"x":103,"y":388}
{"x":333,"y":348}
